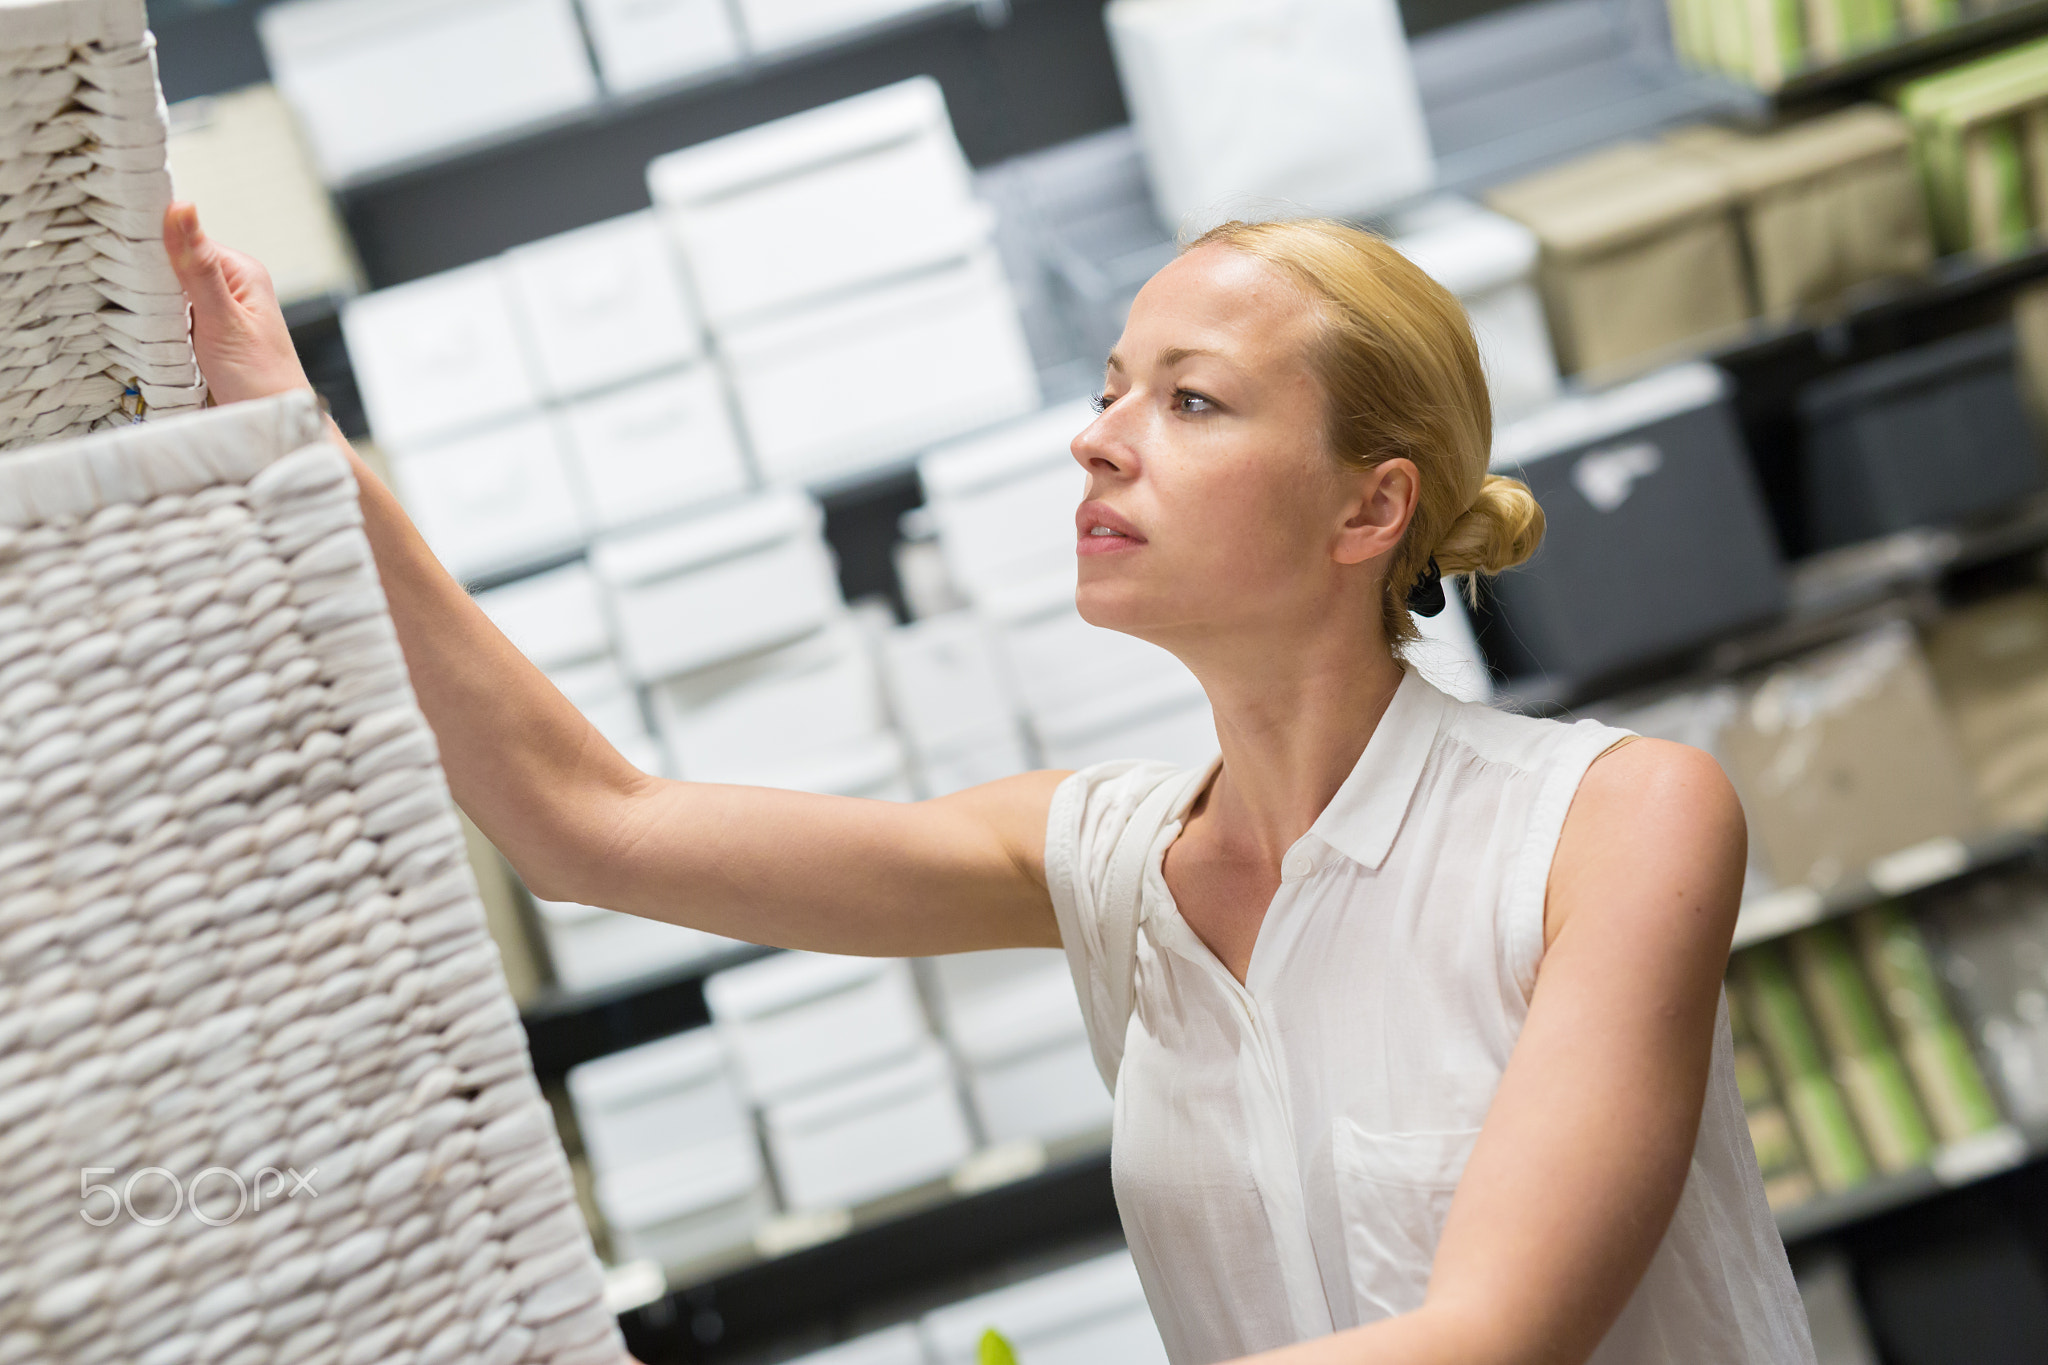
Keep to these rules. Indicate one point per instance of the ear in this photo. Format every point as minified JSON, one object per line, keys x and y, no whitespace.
{"x":1386,"y":499}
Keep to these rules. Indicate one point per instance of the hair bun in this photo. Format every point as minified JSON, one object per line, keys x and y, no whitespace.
{"x":1501,"y":529}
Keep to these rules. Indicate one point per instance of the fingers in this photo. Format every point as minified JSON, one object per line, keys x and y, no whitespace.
{"x":197,"y":261}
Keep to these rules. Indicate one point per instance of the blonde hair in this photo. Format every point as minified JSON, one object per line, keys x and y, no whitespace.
{"x":1396,"y":357}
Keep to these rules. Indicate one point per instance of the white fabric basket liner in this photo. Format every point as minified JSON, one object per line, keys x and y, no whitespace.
{"x":238,"y":931}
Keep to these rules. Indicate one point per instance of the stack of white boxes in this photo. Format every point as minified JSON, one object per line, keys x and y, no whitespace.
{"x":1004,"y":506}
{"x":857,"y":1098}
{"x":557,"y":619}
{"x":676,"y":1170}
{"x":951,"y":694}
{"x":533,"y":401}
{"x":846,"y":273}
{"x":93,"y":326}
{"x":756,"y":673}
{"x":1014,"y":1022}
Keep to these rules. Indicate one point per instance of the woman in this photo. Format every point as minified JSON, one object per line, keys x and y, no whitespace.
{"x":1410,"y":1006}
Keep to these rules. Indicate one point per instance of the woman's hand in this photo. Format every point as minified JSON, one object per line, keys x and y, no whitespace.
{"x":238,"y":331}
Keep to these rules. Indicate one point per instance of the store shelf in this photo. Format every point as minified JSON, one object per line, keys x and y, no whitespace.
{"x":564,"y":1028}
{"x":1924,"y":865}
{"x":897,"y":1251}
{"x":1867,"y":73}
{"x":1965,"y":1163}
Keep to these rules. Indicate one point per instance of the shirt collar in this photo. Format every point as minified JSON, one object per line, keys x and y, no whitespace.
{"x":1366,"y":813}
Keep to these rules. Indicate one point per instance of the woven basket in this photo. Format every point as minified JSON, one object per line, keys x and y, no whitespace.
{"x":93,"y":329}
{"x":239,"y":935}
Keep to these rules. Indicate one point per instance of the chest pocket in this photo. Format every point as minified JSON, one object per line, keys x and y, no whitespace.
{"x":1393,"y":1192}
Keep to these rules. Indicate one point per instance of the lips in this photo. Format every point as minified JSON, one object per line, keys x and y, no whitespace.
{"x":1101,"y":528}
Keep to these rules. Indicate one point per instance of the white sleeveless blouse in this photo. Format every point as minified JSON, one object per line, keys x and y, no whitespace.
{"x":1286,"y":1150}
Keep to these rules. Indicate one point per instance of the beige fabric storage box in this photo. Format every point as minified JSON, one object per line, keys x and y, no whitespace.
{"x":1824,"y":205}
{"x":1641,"y":252}
{"x":1844,"y":756}
{"x":1991,"y":664}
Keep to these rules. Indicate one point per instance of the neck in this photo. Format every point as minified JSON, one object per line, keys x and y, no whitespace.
{"x":1293,"y":714}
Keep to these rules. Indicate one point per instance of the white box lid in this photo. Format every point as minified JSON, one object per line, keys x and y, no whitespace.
{"x":1037,"y":1307}
{"x":698,"y":1177}
{"x":437,"y":355}
{"x":553,"y":618}
{"x":603,"y":303}
{"x":1576,"y":420}
{"x":787,"y":980}
{"x":626,"y":560}
{"x":625,"y":1078}
{"x":924,"y":1070}
{"x":1024,"y":1015}
{"x":741,"y":161}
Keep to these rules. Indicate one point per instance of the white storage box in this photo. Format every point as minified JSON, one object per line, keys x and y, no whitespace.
{"x":895,"y":1346}
{"x":775,"y":26}
{"x":718,"y":586}
{"x":652,"y":42}
{"x":1004,"y":502}
{"x":869,"y":1136}
{"x":700,"y":1209}
{"x":592,"y":948}
{"x":602,"y":304}
{"x":823,"y":201}
{"x":676,"y":1170}
{"x":1058,"y":662}
{"x":493,"y":502}
{"x":946,"y":683}
{"x":554,"y":618}
{"x":865,"y":382}
{"x":379,"y":81}
{"x":796,"y":1021}
{"x":1242,"y":103}
{"x":771,"y":712}
{"x":1016,"y":1026}
{"x":1489,"y":262}
{"x":1168,"y":721}
{"x":649,"y":1102}
{"x":1093,"y":1313}
{"x":655,"y":448}
{"x":438,"y":355}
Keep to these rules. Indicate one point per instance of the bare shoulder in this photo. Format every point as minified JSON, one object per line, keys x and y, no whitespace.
{"x":1653,"y":822}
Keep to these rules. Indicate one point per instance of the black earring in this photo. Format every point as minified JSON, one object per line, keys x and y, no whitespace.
{"x":1426,"y":597}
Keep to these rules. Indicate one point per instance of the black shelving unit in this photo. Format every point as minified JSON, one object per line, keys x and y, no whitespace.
{"x":1868,"y":74}
{"x":904,"y":1261}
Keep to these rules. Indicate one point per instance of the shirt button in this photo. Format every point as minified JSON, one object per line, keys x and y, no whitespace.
{"x":1294,"y":865}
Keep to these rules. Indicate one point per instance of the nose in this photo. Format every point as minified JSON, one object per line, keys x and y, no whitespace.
{"x":1104,"y":447}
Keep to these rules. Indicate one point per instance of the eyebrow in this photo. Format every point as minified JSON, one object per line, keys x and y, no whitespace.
{"x":1171,"y":356}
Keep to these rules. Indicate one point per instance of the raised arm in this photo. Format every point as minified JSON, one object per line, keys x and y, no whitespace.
{"x":1585,"y":1150}
{"x":579,"y":822}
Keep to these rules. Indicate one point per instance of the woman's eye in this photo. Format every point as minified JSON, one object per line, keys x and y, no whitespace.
{"x":1185,"y":401}
{"x":1100,"y":401}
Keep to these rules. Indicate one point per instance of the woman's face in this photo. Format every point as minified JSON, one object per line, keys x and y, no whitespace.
{"x":1213,"y":503}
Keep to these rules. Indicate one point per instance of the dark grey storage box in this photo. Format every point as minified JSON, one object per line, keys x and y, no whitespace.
{"x":1657,"y":539}
{"x":1928,"y":436}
